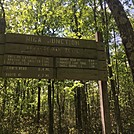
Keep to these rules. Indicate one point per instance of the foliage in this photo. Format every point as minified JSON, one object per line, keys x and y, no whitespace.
{"x":19,"y":97}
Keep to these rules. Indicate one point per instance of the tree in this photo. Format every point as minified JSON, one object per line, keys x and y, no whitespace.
{"x":64,"y":106}
{"x":2,"y":19}
{"x":125,"y":29}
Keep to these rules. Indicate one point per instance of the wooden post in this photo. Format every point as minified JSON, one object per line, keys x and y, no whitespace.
{"x":104,"y":103}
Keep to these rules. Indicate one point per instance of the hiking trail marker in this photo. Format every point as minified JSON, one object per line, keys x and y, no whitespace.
{"x":31,"y":56}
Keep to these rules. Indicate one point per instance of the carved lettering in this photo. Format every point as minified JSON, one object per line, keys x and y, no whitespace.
{"x":64,"y":41}
{"x":10,"y":74}
{"x":33,"y":39}
{"x":28,"y":60}
{"x":43,"y":75}
{"x":76,"y":63}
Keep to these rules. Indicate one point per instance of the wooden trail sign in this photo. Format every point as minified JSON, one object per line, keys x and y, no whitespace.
{"x":29,"y":56}
{"x":50,"y":51}
{"x":27,"y":72}
{"x":49,"y":41}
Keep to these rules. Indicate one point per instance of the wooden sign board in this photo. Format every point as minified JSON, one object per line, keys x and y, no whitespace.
{"x":50,"y":41}
{"x":76,"y":63}
{"x":52,"y":73}
{"x":27,"y":72}
{"x":2,"y":38}
{"x":0,"y":71}
{"x":36,"y":61}
{"x":81,"y":74}
{"x":54,"y":51}
{"x":100,"y":46}
{"x":50,"y":51}
{"x":102,"y":75}
{"x":29,"y":56}
{"x":2,"y":48}
{"x":1,"y":60}
{"x":24,"y":60}
{"x":81,"y":63}
{"x":102,"y":65}
{"x":77,"y":74}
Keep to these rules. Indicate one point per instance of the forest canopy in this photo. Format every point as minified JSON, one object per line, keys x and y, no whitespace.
{"x":41,"y":106}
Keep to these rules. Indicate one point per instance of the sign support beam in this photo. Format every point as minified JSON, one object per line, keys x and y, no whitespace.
{"x":104,"y":103}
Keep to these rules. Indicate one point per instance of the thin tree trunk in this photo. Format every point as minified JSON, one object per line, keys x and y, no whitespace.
{"x":50,"y":127}
{"x":84,"y":110}
{"x":4,"y":98}
{"x":75,"y":101}
{"x":38,"y":114}
{"x":52,"y":109}
{"x":28,"y":97}
{"x":2,"y":20}
{"x":78,"y":107}
{"x":115,"y":96}
{"x":112,"y":82}
{"x":17,"y":95}
{"x":23,"y":96}
{"x":60,"y":113}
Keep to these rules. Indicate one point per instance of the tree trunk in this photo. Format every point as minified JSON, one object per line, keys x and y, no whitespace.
{"x":38,"y":107}
{"x":60,"y":113}
{"x":50,"y":129}
{"x":52,"y":107}
{"x":4,"y":98}
{"x":125,"y":29}
{"x":78,"y":110}
{"x":112,"y":82}
{"x":84,"y":110}
{"x":16,"y":97}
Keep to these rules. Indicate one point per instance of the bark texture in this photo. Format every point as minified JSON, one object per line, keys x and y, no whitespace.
{"x":125,"y":29}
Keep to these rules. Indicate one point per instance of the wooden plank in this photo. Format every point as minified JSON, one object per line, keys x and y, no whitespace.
{"x":101,"y":55}
{"x":81,"y":63}
{"x":51,"y":41}
{"x":1,"y":60}
{"x":132,"y":57}
{"x":50,"y":51}
{"x":76,"y":63}
{"x":1,"y":48}
{"x":50,"y":73}
{"x":27,"y":72}
{"x":102,"y":75}
{"x":77,"y":74}
{"x":100,"y":46}
{"x":2,"y":38}
{"x":102,"y":65}
{"x":21,"y":60}
{"x":0,"y":71}
{"x":24,"y":60}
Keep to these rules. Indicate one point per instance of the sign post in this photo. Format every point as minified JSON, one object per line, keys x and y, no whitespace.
{"x":104,"y":103}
